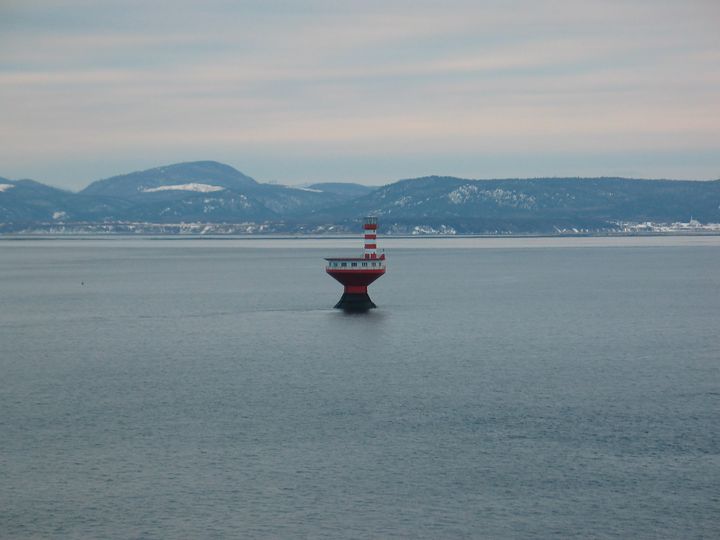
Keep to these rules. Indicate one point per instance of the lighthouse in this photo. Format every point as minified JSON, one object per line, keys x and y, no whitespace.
{"x":356,"y":273}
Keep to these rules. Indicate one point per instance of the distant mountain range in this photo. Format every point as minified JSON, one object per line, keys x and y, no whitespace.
{"x":207,"y":196}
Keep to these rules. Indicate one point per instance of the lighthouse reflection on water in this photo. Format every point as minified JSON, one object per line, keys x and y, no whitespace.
{"x":356,"y":273}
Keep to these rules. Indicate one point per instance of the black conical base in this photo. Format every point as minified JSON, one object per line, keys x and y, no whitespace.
{"x":355,"y":302}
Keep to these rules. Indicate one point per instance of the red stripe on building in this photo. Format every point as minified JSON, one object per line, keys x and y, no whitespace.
{"x":370,"y":246}
{"x":354,"y":270}
{"x":356,"y":289}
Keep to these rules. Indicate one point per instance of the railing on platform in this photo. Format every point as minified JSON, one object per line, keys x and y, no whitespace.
{"x":366,"y":264}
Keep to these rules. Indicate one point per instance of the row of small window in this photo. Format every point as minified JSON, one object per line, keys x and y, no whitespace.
{"x":344,"y":265}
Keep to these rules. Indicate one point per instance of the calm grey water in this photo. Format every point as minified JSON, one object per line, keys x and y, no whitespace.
{"x":204,"y":389}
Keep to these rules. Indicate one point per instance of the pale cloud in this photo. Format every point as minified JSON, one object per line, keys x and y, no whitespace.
{"x":135,"y":84}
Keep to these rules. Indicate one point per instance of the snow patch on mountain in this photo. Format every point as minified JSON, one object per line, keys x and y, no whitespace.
{"x":403,"y":201}
{"x":193,"y":186}
{"x":303,"y":188}
{"x":501,"y":197}
{"x":5,"y":187}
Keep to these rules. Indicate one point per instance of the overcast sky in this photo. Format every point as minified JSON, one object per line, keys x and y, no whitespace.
{"x":368,"y":91}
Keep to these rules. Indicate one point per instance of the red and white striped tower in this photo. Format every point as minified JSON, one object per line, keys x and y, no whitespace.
{"x":370,"y":227}
{"x":356,"y":273}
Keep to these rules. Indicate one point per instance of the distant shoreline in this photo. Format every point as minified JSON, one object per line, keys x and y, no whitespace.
{"x":281,"y":236}
{"x":341,"y":236}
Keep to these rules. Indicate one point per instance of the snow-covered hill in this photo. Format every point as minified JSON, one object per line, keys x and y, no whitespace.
{"x":213,"y":193}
